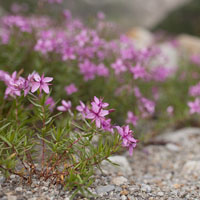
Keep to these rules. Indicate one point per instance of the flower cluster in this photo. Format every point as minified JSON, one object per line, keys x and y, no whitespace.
{"x":97,"y":112}
{"x":127,"y":136}
{"x":16,"y":83}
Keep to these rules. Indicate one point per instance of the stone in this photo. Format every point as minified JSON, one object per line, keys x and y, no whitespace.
{"x":12,"y":176}
{"x":181,"y":136}
{"x":172,"y":147}
{"x":170,"y":54}
{"x":145,"y":188}
{"x":189,"y":44}
{"x":11,"y":197}
{"x":141,"y":37}
{"x":120,"y":180}
{"x":145,"y":13}
{"x":118,"y":189}
{"x":18,"y":189}
{"x":44,"y":188}
{"x":2,"y":179}
{"x":124,"y":167}
{"x":191,"y":167}
{"x":123,"y":197}
{"x":161,"y":194}
{"x":104,"y":189}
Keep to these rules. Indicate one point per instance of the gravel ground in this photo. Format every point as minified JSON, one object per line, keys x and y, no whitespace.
{"x":157,"y":172}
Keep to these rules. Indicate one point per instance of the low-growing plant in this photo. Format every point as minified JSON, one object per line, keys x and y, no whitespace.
{"x":63,"y":147}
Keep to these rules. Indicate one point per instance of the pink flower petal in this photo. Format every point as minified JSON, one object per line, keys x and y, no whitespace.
{"x":98,"y":123}
{"x":47,"y":79}
{"x":45,"y":87}
{"x":35,"y":86}
{"x":61,"y":108}
{"x":95,"y":107}
{"x":37,"y":77}
{"x":103,"y":113}
{"x":90,"y":115}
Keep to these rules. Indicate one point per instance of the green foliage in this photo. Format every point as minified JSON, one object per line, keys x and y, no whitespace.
{"x":33,"y":142}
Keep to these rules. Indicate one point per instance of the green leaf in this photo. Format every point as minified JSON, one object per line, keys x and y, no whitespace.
{"x":4,"y":126}
{"x":6,"y":141}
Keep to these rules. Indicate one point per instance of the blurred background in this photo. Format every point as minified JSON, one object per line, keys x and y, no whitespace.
{"x":174,"y":16}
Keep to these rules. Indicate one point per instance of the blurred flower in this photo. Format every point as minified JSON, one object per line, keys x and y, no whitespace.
{"x":118,"y":66}
{"x":132,"y":119}
{"x":70,"y":89}
{"x":66,"y":105}
{"x":88,"y":70}
{"x":170,"y":110}
{"x":83,"y":109}
{"x":51,"y":103}
{"x":194,"y":106}
{"x":195,"y":59}
{"x":138,"y":71}
{"x":102,"y":70}
{"x":195,"y":90}
{"x":100,"y":15}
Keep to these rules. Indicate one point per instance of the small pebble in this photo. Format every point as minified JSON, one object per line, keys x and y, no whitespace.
{"x":120,"y":180}
{"x":18,"y":189}
{"x":104,"y":189}
{"x":123,"y":197}
{"x":12,"y":176}
{"x":161,"y":194}
{"x":145,"y":188}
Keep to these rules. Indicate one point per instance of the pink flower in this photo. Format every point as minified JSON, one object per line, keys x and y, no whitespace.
{"x":170,"y":110}
{"x":132,"y":119}
{"x":14,"y":85}
{"x":118,"y":66}
{"x":127,"y":138}
{"x":107,"y":126}
{"x":161,"y":73}
{"x":51,"y":103}
{"x":102,"y":70}
{"x":99,"y":102}
{"x":66,"y":105}
{"x":70,"y":89}
{"x":137,"y":92}
{"x":100,"y":15}
{"x":97,"y":113}
{"x":68,"y":53}
{"x":82,"y":38}
{"x":138,"y":72}
{"x":28,"y":83}
{"x":41,"y":83}
{"x":83,"y":109}
{"x":195,"y":90}
{"x":88,"y":70}
{"x":194,"y":106}
{"x":146,"y":106}
{"x":195,"y":59}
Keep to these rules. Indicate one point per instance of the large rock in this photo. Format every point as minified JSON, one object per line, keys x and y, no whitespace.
{"x":185,"y":136}
{"x":129,"y":13}
{"x":170,"y":55}
{"x":141,"y":37}
{"x":191,"y":167}
{"x":124,"y":167}
{"x":189,"y":44}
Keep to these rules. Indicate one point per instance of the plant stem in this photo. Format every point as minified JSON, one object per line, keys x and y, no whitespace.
{"x":43,"y":144}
